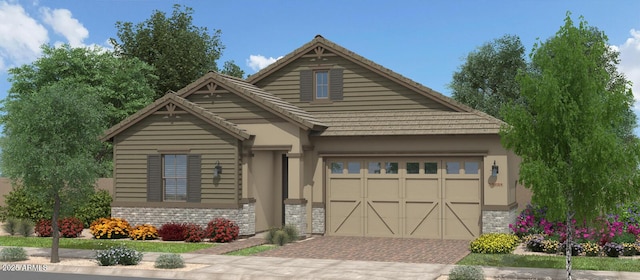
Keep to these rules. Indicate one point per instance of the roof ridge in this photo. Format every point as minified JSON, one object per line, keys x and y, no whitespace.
{"x":358,"y":59}
{"x":194,"y":109}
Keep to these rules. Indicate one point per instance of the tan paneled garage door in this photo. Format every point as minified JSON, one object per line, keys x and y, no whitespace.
{"x":391,"y":197}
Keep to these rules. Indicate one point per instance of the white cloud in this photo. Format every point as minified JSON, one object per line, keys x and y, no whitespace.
{"x":20,"y":36}
{"x":257,"y":62}
{"x":630,"y":61}
{"x":63,"y":23}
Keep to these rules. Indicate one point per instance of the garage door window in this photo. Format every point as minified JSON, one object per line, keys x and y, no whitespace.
{"x":353,"y":167}
{"x":453,"y":167}
{"x":430,"y":168}
{"x":471,"y":167}
{"x":391,"y":167}
{"x":413,"y":167}
{"x":337,"y":167}
{"x":374,"y":168}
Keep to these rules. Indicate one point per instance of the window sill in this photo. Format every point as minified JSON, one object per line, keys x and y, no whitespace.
{"x":321,"y":101}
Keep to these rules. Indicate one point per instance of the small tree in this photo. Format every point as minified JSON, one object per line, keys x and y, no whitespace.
{"x":567,"y":128}
{"x":51,"y":137}
{"x":487,"y":79}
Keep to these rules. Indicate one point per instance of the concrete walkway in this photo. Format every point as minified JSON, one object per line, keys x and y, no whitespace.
{"x":234,"y":267}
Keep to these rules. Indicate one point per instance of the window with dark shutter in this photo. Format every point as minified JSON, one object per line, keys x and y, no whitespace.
{"x":335,"y":86}
{"x":154,"y":178}
{"x":306,"y":85}
{"x":323,"y":85}
{"x":194,"y":178}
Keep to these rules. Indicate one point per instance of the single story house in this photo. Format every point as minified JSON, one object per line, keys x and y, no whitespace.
{"x":323,"y":139}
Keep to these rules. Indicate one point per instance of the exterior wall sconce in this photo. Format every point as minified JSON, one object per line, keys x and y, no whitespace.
{"x":494,"y":169}
{"x":217,"y":170}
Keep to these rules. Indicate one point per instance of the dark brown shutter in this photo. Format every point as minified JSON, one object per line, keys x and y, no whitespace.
{"x":306,"y":85}
{"x":335,"y":84}
{"x":194,"y":178}
{"x":154,"y":178}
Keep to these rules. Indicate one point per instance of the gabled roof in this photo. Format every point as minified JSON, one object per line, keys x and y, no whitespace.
{"x":370,"y":65}
{"x":192,"y":108}
{"x":420,"y":122}
{"x":258,"y":96}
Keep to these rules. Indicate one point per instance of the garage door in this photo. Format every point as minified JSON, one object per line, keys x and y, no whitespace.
{"x":420,"y":198}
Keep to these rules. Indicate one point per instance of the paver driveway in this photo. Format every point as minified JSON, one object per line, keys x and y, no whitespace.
{"x":375,"y":249}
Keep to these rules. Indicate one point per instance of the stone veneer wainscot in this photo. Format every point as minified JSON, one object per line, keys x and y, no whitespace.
{"x":244,"y":217}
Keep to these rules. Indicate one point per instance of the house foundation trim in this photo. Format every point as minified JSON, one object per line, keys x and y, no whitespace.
{"x":180,"y":205}
{"x":499,"y":207}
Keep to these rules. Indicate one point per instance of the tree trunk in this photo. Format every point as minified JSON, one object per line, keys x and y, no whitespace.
{"x":569,"y":242}
{"x":55,"y":231}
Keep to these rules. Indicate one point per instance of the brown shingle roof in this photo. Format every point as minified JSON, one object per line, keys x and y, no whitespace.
{"x":259,"y":97}
{"x":371,"y":123}
{"x":186,"y":105}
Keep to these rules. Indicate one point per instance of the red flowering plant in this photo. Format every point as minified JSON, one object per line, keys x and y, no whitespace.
{"x":70,"y":227}
{"x":43,"y":228}
{"x":173,"y":231}
{"x":194,"y":233}
{"x":222,"y":230}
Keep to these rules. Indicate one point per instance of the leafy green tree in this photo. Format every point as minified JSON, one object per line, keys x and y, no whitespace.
{"x":180,"y":51}
{"x":231,"y":69}
{"x":487,"y":79}
{"x":122,"y":85}
{"x":566,"y":128}
{"x":51,"y":137}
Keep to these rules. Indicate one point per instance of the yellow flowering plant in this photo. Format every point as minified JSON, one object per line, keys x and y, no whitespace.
{"x":143,"y":232}
{"x":110,"y":228}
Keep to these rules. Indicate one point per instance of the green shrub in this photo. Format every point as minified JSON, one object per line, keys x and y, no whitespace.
{"x":169,"y":261}
{"x":98,"y":206}
{"x":494,"y":243}
{"x":465,"y":272}
{"x":292,"y":232}
{"x":118,"y":255}
{"x":280,"y":237}
{"x":25,"y":227}
{"x":22,"y":204}
{"x":624,"y":237}
{"x":270,"y":233}
{"x":13,"y":254}
{"x":11,"y":225}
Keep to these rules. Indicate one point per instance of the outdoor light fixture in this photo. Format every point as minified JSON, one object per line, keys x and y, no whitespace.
{"x":217,"y":170}
{"x":494,"y":169}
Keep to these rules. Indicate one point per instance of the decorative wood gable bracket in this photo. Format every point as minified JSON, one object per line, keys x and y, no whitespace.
{"x":211,"y":88}
{"x":171,"y":109}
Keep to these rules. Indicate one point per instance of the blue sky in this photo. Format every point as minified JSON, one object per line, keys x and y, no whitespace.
{"x":425,"y":41}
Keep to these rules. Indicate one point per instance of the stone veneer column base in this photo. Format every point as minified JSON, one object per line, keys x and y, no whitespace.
{"x":495,"y":221}
{"x":244,"y":217}
{"x":317,"y":218}
{"x":295,"y":213}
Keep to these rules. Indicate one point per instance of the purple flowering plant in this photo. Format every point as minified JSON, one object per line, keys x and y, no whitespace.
{"x":532,"y":220}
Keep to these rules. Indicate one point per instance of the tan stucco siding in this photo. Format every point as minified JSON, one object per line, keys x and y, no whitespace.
{"x":230,"y":106}
{"x":158,"y":134}
{"x":363,"y":89}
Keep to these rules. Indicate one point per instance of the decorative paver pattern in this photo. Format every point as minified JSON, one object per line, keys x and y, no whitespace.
{"x":375,"y":249}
